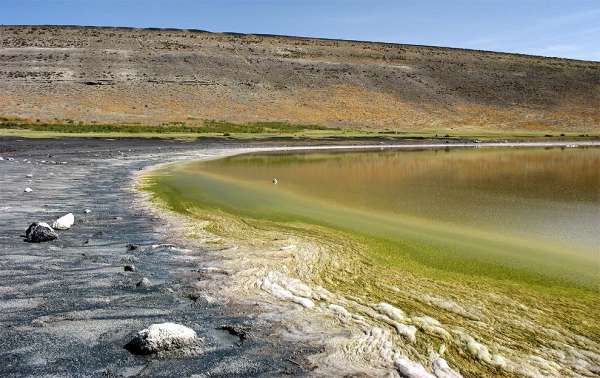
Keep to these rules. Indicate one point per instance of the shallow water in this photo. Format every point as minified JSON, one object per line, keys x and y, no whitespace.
{"x":491,"y":254}
{"x":523,"y":214}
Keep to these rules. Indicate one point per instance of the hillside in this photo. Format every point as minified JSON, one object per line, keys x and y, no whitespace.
{"x":151,"y":76}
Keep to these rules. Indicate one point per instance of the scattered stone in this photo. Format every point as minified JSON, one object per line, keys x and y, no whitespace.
{"x":129,"y":259}
{"x":129,"y":268}
{"x":28,"y":190}
{"x":39,"y":232}
{"x":144,"y":282}
{"x":237,"y":330}
{"x":64,"y":223}
{"x":193,"y":296}
{"x":208,"y":299}
{"x":160,"y":338}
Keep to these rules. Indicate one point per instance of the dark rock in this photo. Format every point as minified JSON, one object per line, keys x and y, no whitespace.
{"x":237,"y":330}
{"x":129,"y":268}
{"x":193,"y":296}
{"x":39,"y":232}
{"x":132,"y":247}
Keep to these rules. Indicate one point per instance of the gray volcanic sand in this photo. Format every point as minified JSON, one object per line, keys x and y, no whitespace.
{"x":67,"y":307}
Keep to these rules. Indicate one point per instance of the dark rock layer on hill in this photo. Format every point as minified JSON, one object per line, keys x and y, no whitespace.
{"x":162,"y":75}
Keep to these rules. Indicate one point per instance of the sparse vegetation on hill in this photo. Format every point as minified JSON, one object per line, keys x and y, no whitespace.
{"x":156,"y":76}
{"x":208,"y":127}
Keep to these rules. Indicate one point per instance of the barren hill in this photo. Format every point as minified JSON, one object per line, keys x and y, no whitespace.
{"x":149,"y":76}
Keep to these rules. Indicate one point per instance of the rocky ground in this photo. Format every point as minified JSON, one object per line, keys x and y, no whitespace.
{"x":150,"y":76}
{"x":68,"y":307}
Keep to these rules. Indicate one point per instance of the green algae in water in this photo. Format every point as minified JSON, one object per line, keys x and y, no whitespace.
{"x":501,"y":243}
{"x":521,"y":215}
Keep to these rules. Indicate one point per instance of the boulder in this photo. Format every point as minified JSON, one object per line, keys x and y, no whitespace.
{"x":160,"y":338}
{"x":39,"y":232}
{"x":64,"y":223}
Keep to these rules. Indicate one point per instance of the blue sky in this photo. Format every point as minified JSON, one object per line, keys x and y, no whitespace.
{"x":566,"y":28}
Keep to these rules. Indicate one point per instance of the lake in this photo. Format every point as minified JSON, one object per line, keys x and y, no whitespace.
{"x":445,"y":232}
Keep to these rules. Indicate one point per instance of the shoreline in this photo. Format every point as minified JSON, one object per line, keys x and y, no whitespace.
{"x":355,"y":340}
{"x":73,"y":329}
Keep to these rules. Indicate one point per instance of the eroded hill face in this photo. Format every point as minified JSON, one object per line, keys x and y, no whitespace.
{"x":153,"y":76}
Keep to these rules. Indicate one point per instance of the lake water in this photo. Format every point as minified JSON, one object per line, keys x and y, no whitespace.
{"x":523,"y":214}
{"x":496,"y":245}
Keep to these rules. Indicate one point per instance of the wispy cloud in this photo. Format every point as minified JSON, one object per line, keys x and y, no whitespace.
{"x":565,"y":35}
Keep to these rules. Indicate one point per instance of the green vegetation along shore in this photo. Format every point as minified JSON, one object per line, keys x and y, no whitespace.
{"x":10,"y":126}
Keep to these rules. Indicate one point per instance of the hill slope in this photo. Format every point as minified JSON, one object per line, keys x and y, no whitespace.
{"x":152,"y":76}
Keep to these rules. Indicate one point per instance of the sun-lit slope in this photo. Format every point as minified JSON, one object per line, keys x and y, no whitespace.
{"x":153,"y":76}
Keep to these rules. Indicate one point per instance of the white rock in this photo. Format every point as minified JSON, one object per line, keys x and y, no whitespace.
{"x":144,"y":282}
{"x":28,"y":190}
{"x":64,"y":223}
{"x":29,"y":175}
{"x":87,"y":211}
{"x":162,"y":337}
{"x":1,"y":158}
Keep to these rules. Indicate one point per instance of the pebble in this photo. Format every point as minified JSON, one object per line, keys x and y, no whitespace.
{"x":64,"y":223}
{"x":144,"y":282}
